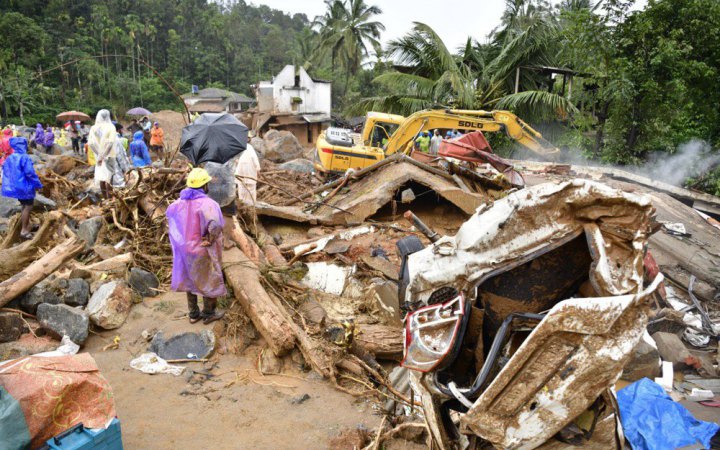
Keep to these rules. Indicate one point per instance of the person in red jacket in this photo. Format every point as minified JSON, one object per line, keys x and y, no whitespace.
{"x":5,"y":149}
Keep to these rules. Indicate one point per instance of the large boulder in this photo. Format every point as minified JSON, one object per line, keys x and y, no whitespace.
{"x":259,"y":146}
{"x":43,"y":203}
{"x":222,"y":187}
{"x":61,"y":164}
{"x":43,"y":292}
{"x":11,"y":326}
{"x":77,"y":292}
{"x":110,"y":305}
{"x":89,"y":229}
{"x":282,"y":146}
{"x":145,"y":283}
{"x":64,"y":320}
{"x":9,"y":207}
{"x":298,"y":165}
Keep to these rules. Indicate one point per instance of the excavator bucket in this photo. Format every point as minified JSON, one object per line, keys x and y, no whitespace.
{"x":473,"y":147}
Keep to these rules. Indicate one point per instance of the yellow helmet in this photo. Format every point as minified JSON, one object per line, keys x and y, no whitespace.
{"x":198,"y":177}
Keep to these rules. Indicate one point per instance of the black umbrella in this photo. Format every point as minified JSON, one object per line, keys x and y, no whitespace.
{"x":213,"y":137}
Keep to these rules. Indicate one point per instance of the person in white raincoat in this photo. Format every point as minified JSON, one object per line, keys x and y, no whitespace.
{"x":102,"y":140}
{"x":247,"y":169}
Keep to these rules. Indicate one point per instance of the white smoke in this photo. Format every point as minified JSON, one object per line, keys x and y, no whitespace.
{"x":690,"y":160}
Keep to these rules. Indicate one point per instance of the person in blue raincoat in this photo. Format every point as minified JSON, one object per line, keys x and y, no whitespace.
{"x":20,"y":181}
{"x":139,"y":151}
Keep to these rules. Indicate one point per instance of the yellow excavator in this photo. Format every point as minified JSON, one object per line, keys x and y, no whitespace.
{"x":338,"y":150}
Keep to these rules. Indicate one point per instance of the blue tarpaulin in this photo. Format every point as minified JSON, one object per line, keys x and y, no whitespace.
{"x":653,"y":421}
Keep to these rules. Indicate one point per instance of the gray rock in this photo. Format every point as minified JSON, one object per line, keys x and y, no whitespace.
{"x":644,"y":363}
{"x":313,"y":311}
{"x":43,"y":292}
{"x":222,"y":187}
{"x":143,"y":282}
{"x":89,"y":229}
{"x":110,"y":305}
{"x":184,"y":345}
{"x":64,"y":320}
{"x":407,"y":196}
{"x":282,"y":146}
{"x":298,"y":165}
{"x":11,"y":326}
{"x":43,"y":203}
{"x":77,"y":292}
{"x":299,"y":399}
{"x":671,"y":347}
{"x":259,"y":146}
{"x":9,"y":207}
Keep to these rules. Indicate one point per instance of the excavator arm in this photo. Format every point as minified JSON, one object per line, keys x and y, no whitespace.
{"x":485,"y":121}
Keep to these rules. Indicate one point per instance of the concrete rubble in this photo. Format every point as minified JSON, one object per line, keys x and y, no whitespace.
{"x":324,"y":281}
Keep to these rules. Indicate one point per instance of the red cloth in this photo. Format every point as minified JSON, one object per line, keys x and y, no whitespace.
{"x":58,"y":392}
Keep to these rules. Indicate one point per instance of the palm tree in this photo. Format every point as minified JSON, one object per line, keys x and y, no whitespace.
{"x":427,"y":74}
{"x":480,"y":77}
{"x":348,"y":32}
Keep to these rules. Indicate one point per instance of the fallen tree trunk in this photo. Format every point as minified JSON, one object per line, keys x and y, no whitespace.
{"x":272,"y":252}
{"x":235,"y":233}
{"x":150,"y":208}
{"x":21,"y":282}
{"x":14,"y":259}
{"x":384,"y":342}
{"x":244,"y":277}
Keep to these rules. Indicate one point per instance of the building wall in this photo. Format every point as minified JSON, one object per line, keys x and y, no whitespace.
{"x":315,"y":96}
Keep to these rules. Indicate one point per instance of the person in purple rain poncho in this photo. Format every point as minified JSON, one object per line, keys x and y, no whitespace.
{"x":39,"y":138}
{"x":195,"y":225}
{"x":49,"y":139}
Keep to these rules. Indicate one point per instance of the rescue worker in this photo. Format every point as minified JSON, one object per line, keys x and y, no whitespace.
{"x":101,"y":142}
{"x":157,"y":138}
{"x":195,"y":225}
{"x":435,"y":142}
{"x":5,"y":148}
{"x":20,"y":181}
{"x":139,"y":151}
{"x":423,"y":142}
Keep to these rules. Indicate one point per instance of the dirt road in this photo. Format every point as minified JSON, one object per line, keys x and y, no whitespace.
{"x":238,"y":408}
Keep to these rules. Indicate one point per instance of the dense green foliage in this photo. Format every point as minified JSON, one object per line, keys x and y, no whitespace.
{"x":100,"y":47}
{"x":648,"y":80}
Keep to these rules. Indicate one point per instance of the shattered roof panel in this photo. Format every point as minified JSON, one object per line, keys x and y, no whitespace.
{"x":378,"y":188}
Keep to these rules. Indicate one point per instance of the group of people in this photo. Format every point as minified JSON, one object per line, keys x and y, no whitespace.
{"x":43,"y":138}
{"x":430,"y":143}
{"x":195,"y":221}
{"x":153,"y":134}
{"x":108,"y":148}
{"x":78,"y":133}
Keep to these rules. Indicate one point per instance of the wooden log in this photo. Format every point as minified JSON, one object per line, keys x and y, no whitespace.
{"x":268,"y":318}
{"x":385,"y":342}
{"x":21,"y":282}
{"x":234,"y":232}
{"x":14,"y":259}
{"x":272,"y":253}
{"x":150,"y":208}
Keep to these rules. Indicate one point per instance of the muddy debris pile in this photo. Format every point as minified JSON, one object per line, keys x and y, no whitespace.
{"x":476,"y":305}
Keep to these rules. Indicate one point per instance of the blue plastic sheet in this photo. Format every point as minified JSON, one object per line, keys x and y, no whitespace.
{"x":653,"y":421}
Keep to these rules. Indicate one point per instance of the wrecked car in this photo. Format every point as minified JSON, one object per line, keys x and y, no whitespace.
{"x":518,"y":326}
